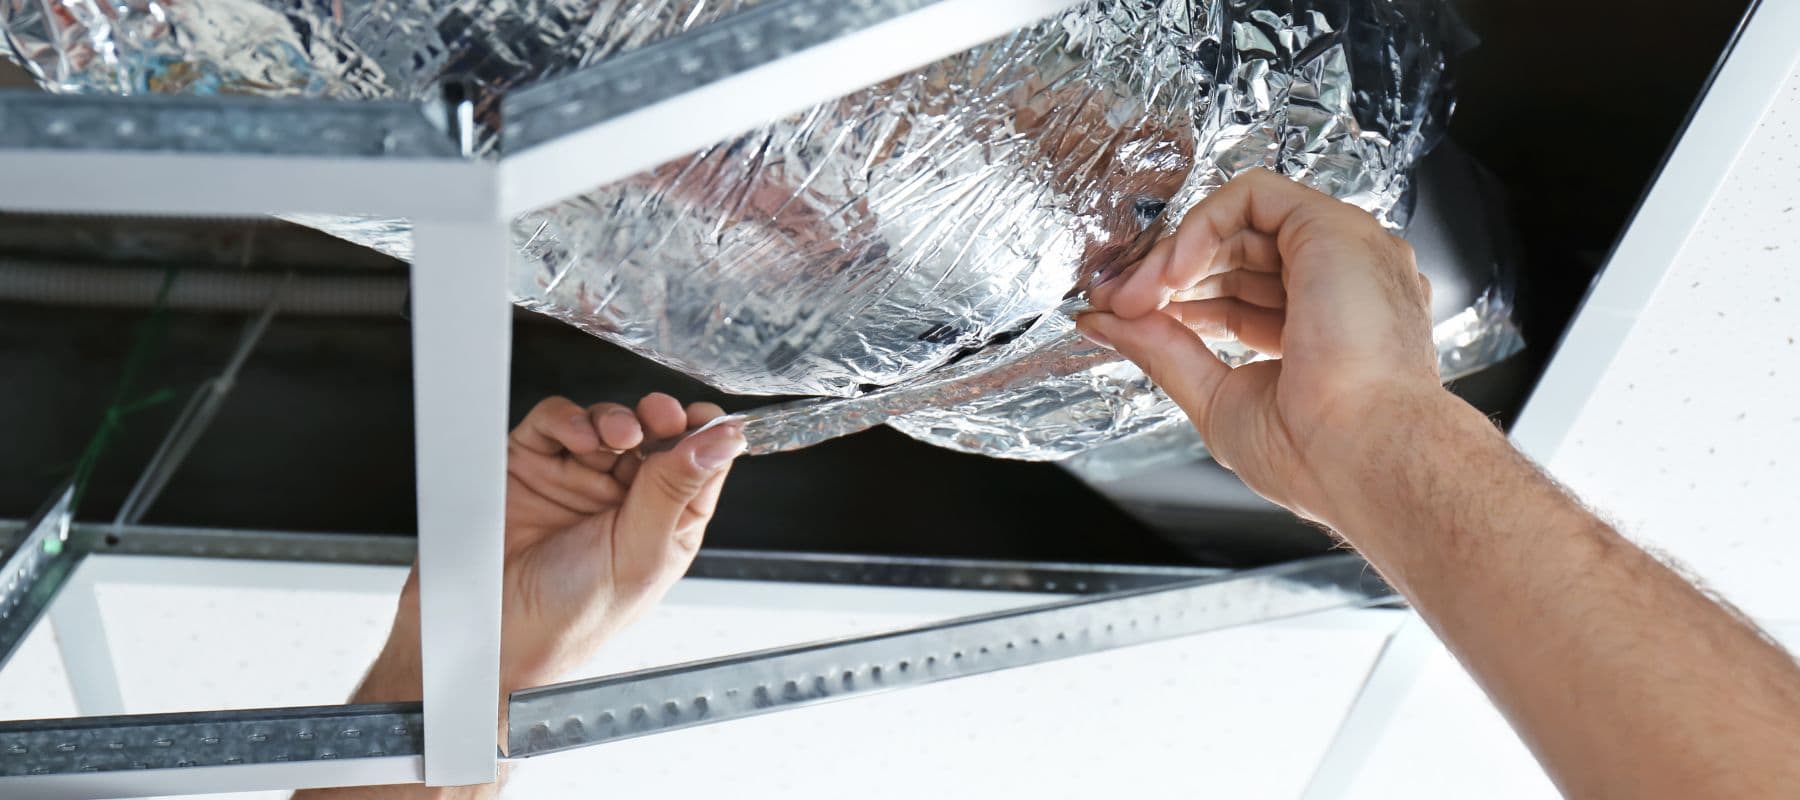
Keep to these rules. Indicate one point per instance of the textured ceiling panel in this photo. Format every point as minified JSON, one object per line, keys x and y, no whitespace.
{"x":1691,"y":443}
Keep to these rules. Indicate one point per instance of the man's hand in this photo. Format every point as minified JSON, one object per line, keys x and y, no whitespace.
{"x":594,"y":535}
{"x":1290,"y":272}
{"x":1625,"y":680}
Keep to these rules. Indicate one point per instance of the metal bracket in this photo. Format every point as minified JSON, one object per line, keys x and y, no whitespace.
{"x":35,"y":570}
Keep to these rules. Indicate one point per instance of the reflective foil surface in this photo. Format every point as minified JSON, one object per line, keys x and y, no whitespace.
{"x":899,"y":237}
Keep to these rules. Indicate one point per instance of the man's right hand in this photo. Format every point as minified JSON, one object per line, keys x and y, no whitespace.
{"x":1294,"y":273}
{"x":1624,"y":679}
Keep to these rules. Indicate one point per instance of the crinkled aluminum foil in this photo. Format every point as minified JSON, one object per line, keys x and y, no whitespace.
{"x":1343,"y":96}
{"x":346,"y":49}
{"x":869,"y":241}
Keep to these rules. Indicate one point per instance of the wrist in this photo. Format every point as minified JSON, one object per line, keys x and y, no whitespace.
{"x":397,"y":673}
{"x":1364,"y":446}
{"x":1416,"y":474}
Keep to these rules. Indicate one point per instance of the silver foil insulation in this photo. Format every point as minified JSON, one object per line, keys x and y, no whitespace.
{"x":904,"y":249}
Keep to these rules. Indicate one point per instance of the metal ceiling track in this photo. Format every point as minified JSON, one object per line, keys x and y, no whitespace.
{"x":584,"y":713}
{"x":37,"y":565}
{"x":1112,"y":606}
{"x":461,"y":180}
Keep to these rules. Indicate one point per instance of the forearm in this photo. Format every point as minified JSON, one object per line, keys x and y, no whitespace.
{"x":1624,"y":679}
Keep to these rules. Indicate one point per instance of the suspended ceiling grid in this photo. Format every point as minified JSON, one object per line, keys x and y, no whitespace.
{"x":1244,"y":712}
{"x":1689,"y":444}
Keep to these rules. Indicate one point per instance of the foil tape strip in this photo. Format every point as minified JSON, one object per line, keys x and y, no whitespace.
{"x":1048,"y":351}
{"x":1017,"y":399}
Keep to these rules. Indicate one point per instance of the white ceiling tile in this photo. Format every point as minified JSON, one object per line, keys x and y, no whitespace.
{"x":34,"y":684}
{"x":190,"y":648}
{"x":1691,"y":442}
{"x":1447,"y":740}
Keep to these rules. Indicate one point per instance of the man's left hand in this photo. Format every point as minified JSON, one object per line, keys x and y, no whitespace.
{"x":595,"y":535}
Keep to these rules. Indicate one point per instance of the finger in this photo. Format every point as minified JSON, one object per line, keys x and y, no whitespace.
{"x":1102,"y":296}
{"x":661,"y":415}
{"x":1246,"y":249}
{"x":666,"y":491}
{"x":1146,"y":287}
{"x":1244,"y":441}
{"x":616,"y":429}
{"x":618,"y":426}
{"x":705,"y":503}
{"x":1258,"y":200}
{"x":1226,"y":317}
{"x":1170,"y":354}
{"x":554,"y":426}
{"x":1257,"y":288}
{"x":530,"y":516}
{"x":626,"y":469}
{"x":690,"y":531}
{"x":567,"y":483}
{"x":699,"y":414}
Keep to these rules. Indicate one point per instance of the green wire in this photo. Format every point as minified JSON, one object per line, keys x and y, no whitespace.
{"x":147,"y":341}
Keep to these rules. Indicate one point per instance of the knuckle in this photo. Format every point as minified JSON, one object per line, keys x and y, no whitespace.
{"x":1402,"y":249}
{"x":687,"y":539}
{"x":1159,"y":373}
{"x":551,"y":404}
{"x":676,"y":483}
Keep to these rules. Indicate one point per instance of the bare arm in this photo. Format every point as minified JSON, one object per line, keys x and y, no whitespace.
{"x":594,"y":538}
{"x":1623,"y":678}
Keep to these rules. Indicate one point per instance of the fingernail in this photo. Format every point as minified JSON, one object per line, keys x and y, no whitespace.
{"x":580,"y":422}
{"x":620,"y":413}
{"x":719,"y":446}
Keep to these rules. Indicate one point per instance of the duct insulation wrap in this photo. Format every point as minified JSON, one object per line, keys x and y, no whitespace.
{"x":860,"y":247}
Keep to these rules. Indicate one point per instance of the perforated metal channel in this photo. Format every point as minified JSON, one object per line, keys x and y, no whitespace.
{"x":591,"y":712}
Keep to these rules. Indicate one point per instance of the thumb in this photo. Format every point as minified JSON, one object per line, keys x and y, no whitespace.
{"x":1173,"y":356}
{"x":671,"y":498}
